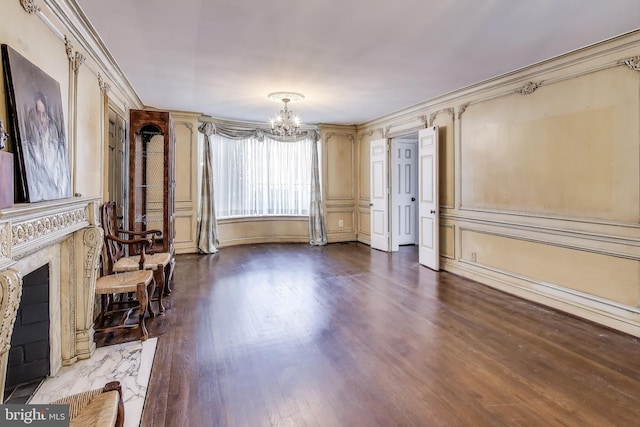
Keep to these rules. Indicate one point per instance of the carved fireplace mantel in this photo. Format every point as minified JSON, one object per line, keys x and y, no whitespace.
{"x":66,"y":235}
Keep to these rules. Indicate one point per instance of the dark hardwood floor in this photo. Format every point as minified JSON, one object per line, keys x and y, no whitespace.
{"x":342,"y":335}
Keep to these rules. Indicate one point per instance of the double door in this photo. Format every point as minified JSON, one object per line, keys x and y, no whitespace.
{"x":383,"y":218}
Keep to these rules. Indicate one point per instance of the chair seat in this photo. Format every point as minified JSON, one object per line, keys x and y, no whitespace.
{"x":100,"y":407}
{"x":101,"y":411}
{"x":123,"y":282}
{"x":152,"y":262}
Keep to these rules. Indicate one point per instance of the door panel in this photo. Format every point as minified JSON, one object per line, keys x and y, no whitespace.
{"x":428,"y":252}
{"x":117,"y":171}
{"x":379,"y":195}
{"x":405,"y":179}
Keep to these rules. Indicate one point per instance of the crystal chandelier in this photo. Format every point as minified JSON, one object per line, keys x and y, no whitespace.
{"x":285,"y":123}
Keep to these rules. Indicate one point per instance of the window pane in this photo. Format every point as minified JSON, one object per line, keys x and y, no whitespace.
{"x":256,"y":178}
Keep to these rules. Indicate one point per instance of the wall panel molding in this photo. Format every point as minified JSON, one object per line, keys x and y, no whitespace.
{"x":598,"y":310}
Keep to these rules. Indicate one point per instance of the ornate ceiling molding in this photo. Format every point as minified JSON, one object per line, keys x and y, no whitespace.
{"x":369,"y":133}
{"x":77,"y":61}
{"x":633,"y":62}
{"x":528,"y":88}
{"x":432,"y":117}
{"x":68,"y":46}
{"x":332,"y":134}
{"x":30,"y":6}
{"x":104,"y":86}
{"x":462,"y":109}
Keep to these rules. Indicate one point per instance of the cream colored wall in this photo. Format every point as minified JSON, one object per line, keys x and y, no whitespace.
{"x":243,"y":231}
{"x":540,"y":192}
{"x":89,"y":168}
{"x":52,"y":38}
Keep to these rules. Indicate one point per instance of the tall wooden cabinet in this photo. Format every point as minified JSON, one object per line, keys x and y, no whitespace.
{"x":152,"y":175}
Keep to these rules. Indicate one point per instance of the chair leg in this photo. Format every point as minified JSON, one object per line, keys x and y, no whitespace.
{"x":153,"y":285}
{"x":159,"y":277}
{"x":143,"y":298}
{"x":166,"y":288}
{"x":103,"y":310}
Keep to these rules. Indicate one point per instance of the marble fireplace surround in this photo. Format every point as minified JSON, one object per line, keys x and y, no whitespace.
{"x":65,"y":234}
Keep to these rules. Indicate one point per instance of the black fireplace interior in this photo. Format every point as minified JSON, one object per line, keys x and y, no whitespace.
{"x":29,"y":354}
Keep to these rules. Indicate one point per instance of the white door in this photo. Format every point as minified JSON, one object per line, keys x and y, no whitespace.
{"x":428,"y":224}
{"x":404,"y":181}
{"x":379,"y":195}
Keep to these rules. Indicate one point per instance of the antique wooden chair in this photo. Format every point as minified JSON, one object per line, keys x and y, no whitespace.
{"x":141,"y":283}
{"x":99,"y":407}
{"x":115,"y":289}
{"x":161,"y":263}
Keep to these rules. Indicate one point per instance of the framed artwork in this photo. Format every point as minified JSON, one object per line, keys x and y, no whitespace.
{"x":40,"y":143}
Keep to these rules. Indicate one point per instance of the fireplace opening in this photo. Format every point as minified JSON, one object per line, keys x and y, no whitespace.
{"x":28,"y":362}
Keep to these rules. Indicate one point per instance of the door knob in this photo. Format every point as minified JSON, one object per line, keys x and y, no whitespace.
{"x":413,"y":199}
{"x":433,"y":212}
{"x":370,"y":204}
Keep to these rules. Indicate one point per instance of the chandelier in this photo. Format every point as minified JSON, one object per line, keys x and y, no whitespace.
{"x":285,"y":123}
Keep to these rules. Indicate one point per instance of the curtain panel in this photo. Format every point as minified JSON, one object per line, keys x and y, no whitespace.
{"x":207,"y":222}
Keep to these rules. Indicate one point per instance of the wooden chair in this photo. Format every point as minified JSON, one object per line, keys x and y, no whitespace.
{"x":99,"y":407}
{"x":161,"y":263}
{"x":141,"y":283}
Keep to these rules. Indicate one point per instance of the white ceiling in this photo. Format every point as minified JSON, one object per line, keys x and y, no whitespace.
{"x":354,"y":60}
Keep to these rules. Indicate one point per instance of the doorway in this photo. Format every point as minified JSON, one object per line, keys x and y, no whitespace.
{"x":404,"y":194}
{"x":403,"y":183}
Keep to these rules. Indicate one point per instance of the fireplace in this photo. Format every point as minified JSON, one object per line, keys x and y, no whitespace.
{"x":29,"y":352}
{"x":64,"y":238}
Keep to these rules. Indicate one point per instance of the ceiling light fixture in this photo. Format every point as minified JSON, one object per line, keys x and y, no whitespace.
{"x":285,"y":123}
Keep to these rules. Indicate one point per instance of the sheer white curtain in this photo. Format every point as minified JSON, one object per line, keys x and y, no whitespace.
{"x":261,"y":176}
{"x":255,"y":174}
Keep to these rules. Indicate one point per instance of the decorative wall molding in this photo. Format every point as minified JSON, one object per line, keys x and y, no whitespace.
{"x":27,"y":231}
{"x":370,"y":133}
{"x":4,"y":242}
{"x":406,"y":126}
{"x":528,"y":88}
{"x":188,"y":125}
{"x":570,"y":65}
{"x":192,"y":143}
{"x":77,"y":61}
{"x":10,"y":294}
{"x":92,"y":241}
{"x":432,"y":117}
{"x":103,"y":85}
{"x":329,"y":135}
{"x":633,"y":63}
{"x":462,"y":109}
{"x":30,"y":6}
{"x":68,"y":46}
